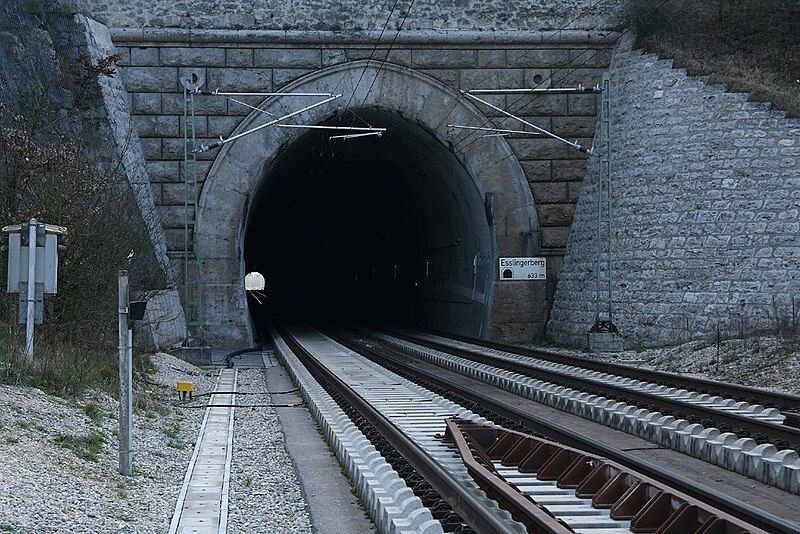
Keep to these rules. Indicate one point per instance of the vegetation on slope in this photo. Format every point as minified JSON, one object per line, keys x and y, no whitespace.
{"x":751,"y":46}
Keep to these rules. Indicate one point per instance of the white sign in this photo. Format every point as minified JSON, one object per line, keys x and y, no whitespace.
{"x":523,"y":268}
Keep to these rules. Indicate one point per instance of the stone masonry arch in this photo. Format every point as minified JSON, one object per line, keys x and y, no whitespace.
{"x":239,"y":168}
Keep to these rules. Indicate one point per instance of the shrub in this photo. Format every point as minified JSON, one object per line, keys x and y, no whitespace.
{"x":74,"y":180}
{"x":751,"y":46}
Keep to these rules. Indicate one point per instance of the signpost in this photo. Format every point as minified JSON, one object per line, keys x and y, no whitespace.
{"x":32,"y":271}
{"x":523,"y":269}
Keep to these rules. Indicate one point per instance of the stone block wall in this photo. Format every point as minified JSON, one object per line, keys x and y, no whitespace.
{"x":706,"y":200}
{"x":262,"y":62}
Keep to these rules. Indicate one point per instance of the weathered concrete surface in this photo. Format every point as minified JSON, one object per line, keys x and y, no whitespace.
{"x":164,"y":324}
{"x":126,"y":144}
{"x":706,"y":220}
{"x":353,"y":15}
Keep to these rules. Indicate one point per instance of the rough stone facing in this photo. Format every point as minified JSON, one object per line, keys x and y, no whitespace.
{"x":706,"y":229}
{"x":358,"y":15}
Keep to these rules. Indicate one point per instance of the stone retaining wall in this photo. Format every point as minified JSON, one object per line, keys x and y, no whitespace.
{"x":706,"y":229}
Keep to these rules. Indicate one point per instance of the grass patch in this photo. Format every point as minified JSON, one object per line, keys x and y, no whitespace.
{"x":751,"y":46}
{"x":173,"y":430}
{"x":12,"y":440}
{"x":6,"y":528}
{"x":175,"y":444}
{"x":86,"y":447}
{"x":93,"y":412}
{"x":66,"y":370}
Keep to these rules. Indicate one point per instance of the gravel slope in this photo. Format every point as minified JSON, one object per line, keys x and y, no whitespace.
{"x":46,"y":487}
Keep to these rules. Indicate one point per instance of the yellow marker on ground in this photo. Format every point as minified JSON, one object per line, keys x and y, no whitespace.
{"x":183,"y":388}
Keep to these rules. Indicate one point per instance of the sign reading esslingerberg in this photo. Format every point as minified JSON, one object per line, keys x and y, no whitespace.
{"x":523,"y":268}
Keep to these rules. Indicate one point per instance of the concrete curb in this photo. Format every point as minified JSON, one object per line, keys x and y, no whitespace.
{"x":741,"y":455}
{"x":391,"y":504}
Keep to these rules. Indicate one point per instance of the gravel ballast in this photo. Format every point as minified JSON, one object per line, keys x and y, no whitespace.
{"x":58,"y":457}
{"x":768,"y":362}
{"x":265,"y":494}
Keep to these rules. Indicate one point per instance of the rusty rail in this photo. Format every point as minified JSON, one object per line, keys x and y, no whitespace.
{"x":649,"y":505}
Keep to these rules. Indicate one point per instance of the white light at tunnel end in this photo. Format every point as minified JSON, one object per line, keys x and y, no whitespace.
{"x":254,"y":281}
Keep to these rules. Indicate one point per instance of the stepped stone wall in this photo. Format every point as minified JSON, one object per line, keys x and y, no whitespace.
{"x":706,"y":200}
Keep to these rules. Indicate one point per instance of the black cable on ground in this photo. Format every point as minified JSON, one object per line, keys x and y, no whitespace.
{"x":296,"y":405}
{"x":231,"y":355}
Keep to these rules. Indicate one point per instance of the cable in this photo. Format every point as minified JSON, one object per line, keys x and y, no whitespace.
{"x":372,"y":54}
{"x":557,"y":32}
{"x":508,"y":106}
{"x":389,"y":51}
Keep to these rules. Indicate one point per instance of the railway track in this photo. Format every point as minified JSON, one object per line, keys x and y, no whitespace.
{"x":464,"y":458}
{"x":764,"y":425}
{"x":776,"y":406}
{"x":764,"y":450}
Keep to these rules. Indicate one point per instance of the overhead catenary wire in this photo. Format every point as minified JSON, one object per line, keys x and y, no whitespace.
{"x":564,"y":76}
{"x":552,"y":35}
{"x":512,"y":154}
{"x":372,"y":54}
{"x":389,"y":51}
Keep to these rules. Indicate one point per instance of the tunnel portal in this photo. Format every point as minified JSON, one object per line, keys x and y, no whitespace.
{"x":392,"y":228}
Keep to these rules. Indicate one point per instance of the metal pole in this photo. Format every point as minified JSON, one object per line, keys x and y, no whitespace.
{"x":31,"y":299}
{"x":125,"y":380}
{"x":607,"y":103}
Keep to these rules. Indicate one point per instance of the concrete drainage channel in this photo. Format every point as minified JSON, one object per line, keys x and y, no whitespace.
{"x":763,"y":462}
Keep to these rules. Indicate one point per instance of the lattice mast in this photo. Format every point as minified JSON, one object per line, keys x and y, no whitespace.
{"x":604,"y":274}
{"x":192,"y":288}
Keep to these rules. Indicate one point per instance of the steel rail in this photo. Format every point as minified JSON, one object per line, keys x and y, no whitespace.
{"x":781,"y":436}
{"x":472,"y":512}
{"x":783,"y":401}
{"x":400,"y":364}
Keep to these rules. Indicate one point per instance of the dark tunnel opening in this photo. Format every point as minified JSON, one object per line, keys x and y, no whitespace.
{"x":388,"y":229}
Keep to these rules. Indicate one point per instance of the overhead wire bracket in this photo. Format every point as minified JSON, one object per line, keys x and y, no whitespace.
{"x":579,"y":89}
{"x":493,"y":130}
{"x":355,"y":136}
{"x":546,"y":133}
{"x":223,"y":141}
